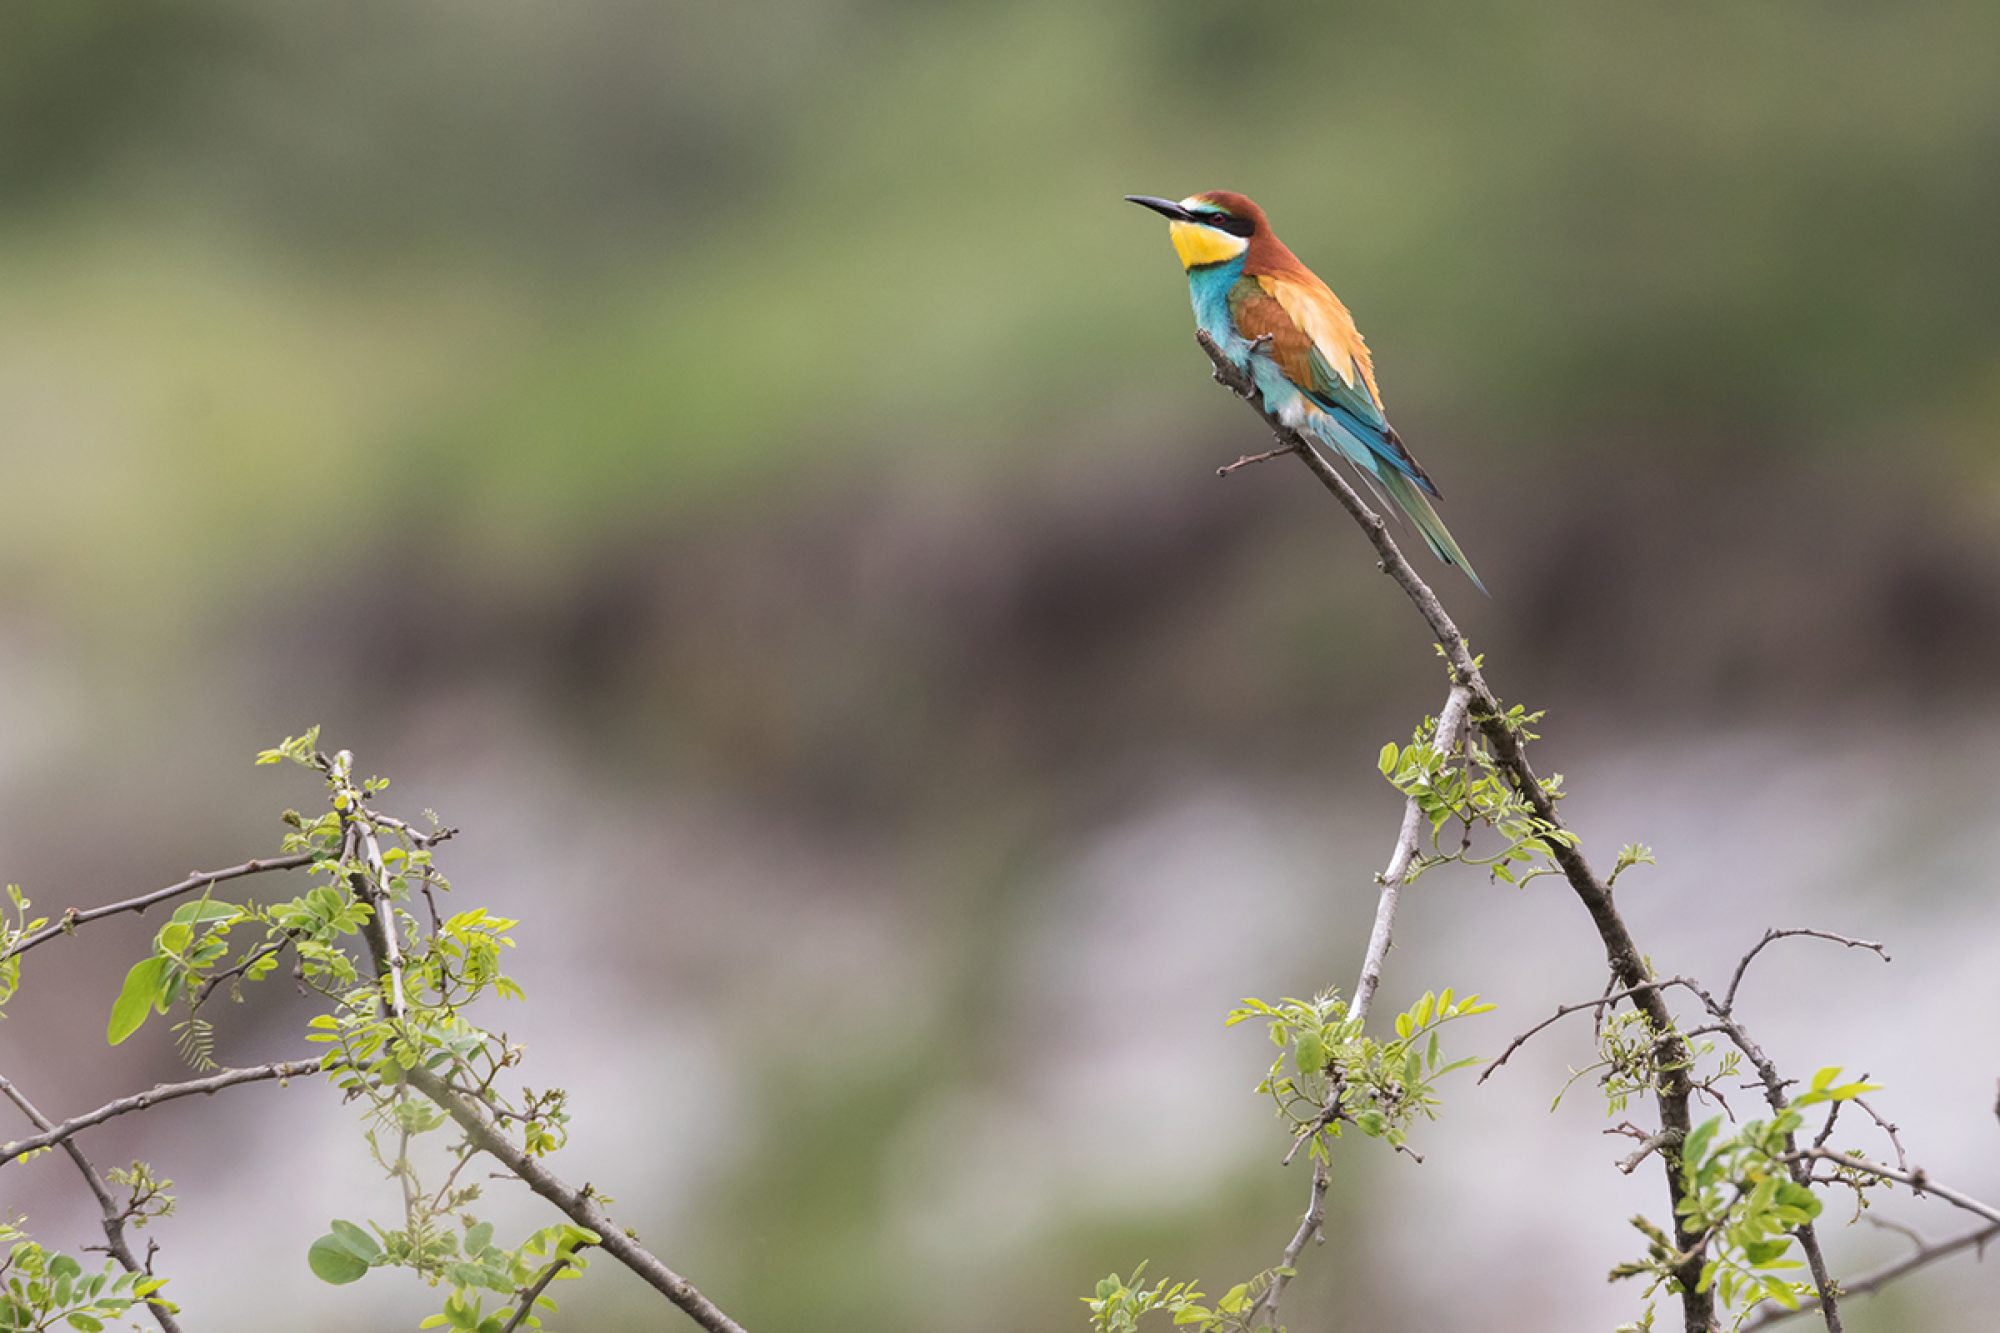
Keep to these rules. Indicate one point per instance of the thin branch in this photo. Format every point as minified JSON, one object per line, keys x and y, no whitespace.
{"x":75,"y":917}
{"x":534,"y":1293}
{"x":1895,"y":1141}
{"x":1870,"y":1283}
{"x":1564,"y":1011}
{"x":113,"y":1217}
{"x":1916,"y":1178}
{"x":1450,"y":726}
{"x":578,"y":1204}
{"x":1771,"y":936}
{"x":1249,"y":459}
{"x":1775,"y":1097}
{"x":140,"y":1101}
{"x":1648,"y":1145}
{"x":1627,"y":964}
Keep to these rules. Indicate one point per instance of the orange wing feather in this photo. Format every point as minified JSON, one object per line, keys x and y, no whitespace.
{"x":1312,"y":305}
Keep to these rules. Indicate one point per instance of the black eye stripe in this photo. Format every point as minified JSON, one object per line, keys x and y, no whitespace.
{"x":1230,"y":223}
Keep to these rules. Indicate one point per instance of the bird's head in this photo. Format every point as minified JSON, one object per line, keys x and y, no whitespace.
{"x":1207,"y":228}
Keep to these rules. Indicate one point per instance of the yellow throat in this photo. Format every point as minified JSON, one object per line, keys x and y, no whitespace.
{"x":1198,"y":245}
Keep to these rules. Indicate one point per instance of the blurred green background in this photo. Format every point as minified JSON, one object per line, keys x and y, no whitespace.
{"x":745,"y":465}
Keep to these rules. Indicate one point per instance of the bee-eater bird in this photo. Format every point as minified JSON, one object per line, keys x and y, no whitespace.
{"x":1276,"y":321}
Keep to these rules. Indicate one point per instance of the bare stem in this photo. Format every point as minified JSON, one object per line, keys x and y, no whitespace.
{"x":202,"y":879}
{"x":53,"y":1134}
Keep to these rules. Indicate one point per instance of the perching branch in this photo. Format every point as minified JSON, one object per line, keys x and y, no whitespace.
{"x":140,"y":1101}
{"x":114,"y":1217}
{"x":1627,"y":964}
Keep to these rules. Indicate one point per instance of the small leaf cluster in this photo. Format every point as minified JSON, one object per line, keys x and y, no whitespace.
{"x":1465,"y":788}
{"x":42,"y":1289}
{"x":1635,"y":1058}
{"x":1120,"y":1303}
{"x":373,"y":898}
{"x":1742,"y":1205}
{"x":15,"y":926}
{"x":1329,"y":1072}
{"x":470,"y":1264}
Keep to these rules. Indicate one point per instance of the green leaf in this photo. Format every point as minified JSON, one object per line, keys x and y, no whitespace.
{"x":1698,"y":1139}
{"x":205,"y":910}
{"x":1387,"y":763}
{"x":84,"y":1323}
{"x":1311,"y":1053}
{"x":135,"y":998}
{"x":358,"y":1242}
{"x":478,"y":1236}
{"x":332,"y":1262}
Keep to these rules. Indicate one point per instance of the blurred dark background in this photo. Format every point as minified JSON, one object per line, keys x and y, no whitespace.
{"x":745,"y":465}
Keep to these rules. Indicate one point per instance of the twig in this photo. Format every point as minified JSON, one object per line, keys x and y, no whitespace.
{"x":534,"y":1293}
{"x":140,"y":1101}
{"x":1627,"y":964}
{"x":250,"y":960}
{"x":114,"y":1218}
{"x":1771,"y":936}
{"x":1870,"y":1283}
{"x":75,"y":917}
{"x":1917,"y":1179}
{"x":1648,"y":1145}
{"x":1249,"y":459}
{"x":1889,"y":1129}
{"x":1564,"y":1011}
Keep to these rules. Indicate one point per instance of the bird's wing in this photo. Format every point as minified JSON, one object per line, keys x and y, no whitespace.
{"x":1316,"y":345}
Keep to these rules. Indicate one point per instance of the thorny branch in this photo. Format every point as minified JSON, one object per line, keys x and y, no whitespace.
{"x":114,"y":1217}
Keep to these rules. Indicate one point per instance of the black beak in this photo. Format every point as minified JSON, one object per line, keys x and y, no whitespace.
{"x":1166,"y":208}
